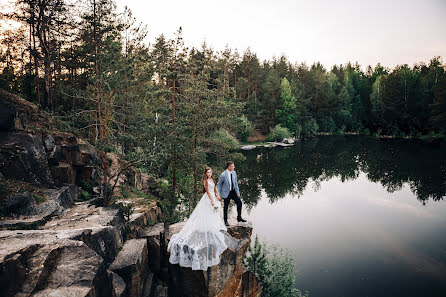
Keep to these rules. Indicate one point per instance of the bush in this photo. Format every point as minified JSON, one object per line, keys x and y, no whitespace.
{"x":310,"y":128}
{"x":297,"y":130}
{"x":274,"y":267}
{"x":244,"y":128}
{"x":327,"y":124}
{"x":85,"y":195}
{"x":224,"y":138}
{"x":278,"y":133}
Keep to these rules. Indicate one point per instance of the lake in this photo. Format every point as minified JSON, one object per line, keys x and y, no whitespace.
{"x":361,"y":216}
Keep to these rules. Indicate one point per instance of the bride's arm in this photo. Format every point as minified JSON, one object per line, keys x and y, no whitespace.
{"x":217,"y":193}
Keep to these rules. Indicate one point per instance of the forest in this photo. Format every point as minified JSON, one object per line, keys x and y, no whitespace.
{"x":172,"y":109}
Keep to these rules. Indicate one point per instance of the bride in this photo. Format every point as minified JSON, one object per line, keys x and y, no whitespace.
{"x":200,"y":243}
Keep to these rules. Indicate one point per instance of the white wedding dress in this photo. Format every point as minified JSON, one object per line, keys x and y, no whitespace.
{"x":200,"y":243}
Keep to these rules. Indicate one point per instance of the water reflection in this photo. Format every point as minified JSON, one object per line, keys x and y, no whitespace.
{"x":362,"y":216}
{"x":281,"y":171}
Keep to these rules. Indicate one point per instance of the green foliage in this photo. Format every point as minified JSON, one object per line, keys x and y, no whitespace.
{"x":310,"y":129}
{"x":274,"y":267}
{"x":327,"y":124}
{"x":286,"y":114}
{"x":223,"y":138}
{"x":85,"y":195}
{"x":125,"y":192}
{"x":278,"y":133}
{"x":255,"y":261}
{"x":38,"y":198}
{"x":244,"y":128}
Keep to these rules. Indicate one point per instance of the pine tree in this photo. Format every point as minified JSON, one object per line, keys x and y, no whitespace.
{"x":286,"y":113}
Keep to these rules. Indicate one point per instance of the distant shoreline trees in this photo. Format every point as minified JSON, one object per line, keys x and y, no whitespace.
{"x":91,"y":65}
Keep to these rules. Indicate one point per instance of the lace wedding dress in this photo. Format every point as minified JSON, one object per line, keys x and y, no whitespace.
{"x":200,"y":243}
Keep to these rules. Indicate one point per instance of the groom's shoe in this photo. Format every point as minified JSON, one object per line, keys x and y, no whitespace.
{"x":240,"y":219}
{"x":226,"y":223}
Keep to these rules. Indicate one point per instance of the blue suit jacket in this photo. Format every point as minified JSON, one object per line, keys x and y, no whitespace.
{"x":224,"y":184}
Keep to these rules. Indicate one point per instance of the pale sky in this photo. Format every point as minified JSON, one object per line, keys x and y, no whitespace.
{"x":333,"y":32}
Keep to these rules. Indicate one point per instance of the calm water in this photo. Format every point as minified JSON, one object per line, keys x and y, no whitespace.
{"x":361,"y":216}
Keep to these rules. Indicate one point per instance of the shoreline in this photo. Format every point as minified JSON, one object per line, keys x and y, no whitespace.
{"x":253,"y":145}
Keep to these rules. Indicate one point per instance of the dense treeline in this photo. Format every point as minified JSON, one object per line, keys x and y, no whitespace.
{"x":176,"y":108}
{"x":67,"y":55}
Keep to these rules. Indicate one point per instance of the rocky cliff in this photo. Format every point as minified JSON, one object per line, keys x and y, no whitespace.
{"x":52,"y":244}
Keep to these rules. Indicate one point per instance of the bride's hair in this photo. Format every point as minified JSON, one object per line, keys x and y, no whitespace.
{"x":204,"y":178}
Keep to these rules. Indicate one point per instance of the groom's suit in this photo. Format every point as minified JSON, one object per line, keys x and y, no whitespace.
{"x":229,"y":190}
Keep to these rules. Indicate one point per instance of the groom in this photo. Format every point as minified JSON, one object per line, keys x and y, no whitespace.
{"x":227,"y":186}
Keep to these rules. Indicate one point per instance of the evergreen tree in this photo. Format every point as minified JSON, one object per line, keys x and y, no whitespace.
{"x":286,"y":113}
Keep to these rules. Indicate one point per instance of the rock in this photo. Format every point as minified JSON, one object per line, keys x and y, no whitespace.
{"x":119,"y":286}
{"x":56,"y":201}
{"x":24,"y":204}
{"x":48,"y":266}
{"x":26,"y":114}
{"x":19,"y":204}
{"x":248,"y":147}
{"x":131,"y":264}
{"x":7,"y":115}
{"x":63,"y":173}
{"x":100,"y":228}
{"x":224,"y":279}
{"x":160,"y":289}
{"x":288,"y":140}
{"x":48,"y":142}
{"x":251,"y":286}
{"x":23,"y":157}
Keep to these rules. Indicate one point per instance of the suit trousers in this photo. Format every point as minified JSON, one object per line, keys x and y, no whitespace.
{"x":232,"y":195}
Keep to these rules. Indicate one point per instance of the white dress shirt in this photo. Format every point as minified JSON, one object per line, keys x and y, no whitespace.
{"x":229,"y":176}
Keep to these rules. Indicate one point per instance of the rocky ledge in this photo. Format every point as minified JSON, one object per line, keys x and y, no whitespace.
{"x":51,"y":245}
{"x":92,"y":251}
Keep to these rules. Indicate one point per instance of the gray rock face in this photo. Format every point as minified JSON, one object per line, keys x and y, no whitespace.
{"x":132,"y":266}
{"x":52,"y":267}
{"x":20,"y":204}
{"x":23,"y":204}
{"x":224,"y":279}
{"x":7,"y":115}
{"x":68,"y":256}
{"x":23,"y":157}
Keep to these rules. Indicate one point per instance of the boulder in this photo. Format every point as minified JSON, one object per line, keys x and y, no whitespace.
{"x":48,"y":142}
{"x":132,"y":266}
{"x":55,"y":202}
{"x":288,"y":140}
{"x":19,"y":204}
{"x":23,"y":158}
{"x":248,"y":147}
{"x":119,"y":286}
{"x":48,"y":266}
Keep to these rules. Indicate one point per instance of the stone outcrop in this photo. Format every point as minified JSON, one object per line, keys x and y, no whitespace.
{"x":228,"y":278}
{"x":33,"y":150}
{"x":51,"y":245}
{"x":69,"y":256}
{"x":131,"y":264}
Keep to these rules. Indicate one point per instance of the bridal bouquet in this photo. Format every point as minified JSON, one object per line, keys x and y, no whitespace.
{"x":215,"y":208}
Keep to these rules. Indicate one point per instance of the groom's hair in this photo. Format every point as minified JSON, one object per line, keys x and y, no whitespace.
{"x":228,"y":164}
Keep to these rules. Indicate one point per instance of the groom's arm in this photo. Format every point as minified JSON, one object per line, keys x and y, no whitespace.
{"x":236,"y":185}
{"x":220,"y":182}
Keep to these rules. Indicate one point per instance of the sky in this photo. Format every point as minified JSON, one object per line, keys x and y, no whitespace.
{"x":389,"y":32}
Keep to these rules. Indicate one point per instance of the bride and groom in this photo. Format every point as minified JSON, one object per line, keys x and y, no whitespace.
{"x":200,"y":243}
